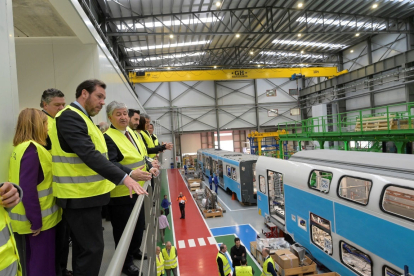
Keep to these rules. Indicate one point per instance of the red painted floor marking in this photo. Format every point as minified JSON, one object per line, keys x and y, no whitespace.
{"x":198,"y":260}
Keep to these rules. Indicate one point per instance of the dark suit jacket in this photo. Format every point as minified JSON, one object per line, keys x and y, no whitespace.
{"x":116,"y":156}
{"x":73,"y":138}
{"x":155,"y":150}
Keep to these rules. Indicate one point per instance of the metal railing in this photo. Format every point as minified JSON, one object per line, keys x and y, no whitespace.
{"x":151,"y":205}
{"x":390,"y":119}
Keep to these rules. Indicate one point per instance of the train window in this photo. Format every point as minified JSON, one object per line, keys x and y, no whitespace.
{"x":276,"y":195}
{"x":388,"y":271}
{"x":254,"y":178}
{"x":320,"y":180}
{"x":355,"y":189}
{"x":398,"y":201}
{"x":355,"y":259}
{"x":321,"y":233}
{"x":262,"y":184}
{"x":228,"y":170}
{"x":233,"y":173}
{"x":215,"y":166}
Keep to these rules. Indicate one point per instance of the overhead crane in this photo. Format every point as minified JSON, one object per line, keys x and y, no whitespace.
{"x":233,"y":74}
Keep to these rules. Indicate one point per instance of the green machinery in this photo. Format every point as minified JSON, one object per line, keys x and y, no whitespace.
{"x":393,"y":123}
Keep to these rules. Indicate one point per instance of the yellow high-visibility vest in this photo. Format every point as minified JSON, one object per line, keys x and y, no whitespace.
{"x":156,"y":143}
{"x":50,"y":122}
{"x":149,"y":141}
{"x":244,"y":270}
{"x":268,"y":260}
{"x":132,"y":157}
{"x":9,"y":257}
{"x":160,"y":265}
{"x":141,"y":146}
{"x":72,"y":178}
{"x":170,"y":261}
{"x":51,"y":213}
{"x":226,"y":265}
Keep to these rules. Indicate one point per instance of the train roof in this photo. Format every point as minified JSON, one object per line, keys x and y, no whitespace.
{"x":242,"y":157}
{"x":381,"y":163}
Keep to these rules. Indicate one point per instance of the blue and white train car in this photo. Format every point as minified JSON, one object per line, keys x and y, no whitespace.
{"x":354,"y":211}
{"x":237,"y":174}
{"x":204,"y":159}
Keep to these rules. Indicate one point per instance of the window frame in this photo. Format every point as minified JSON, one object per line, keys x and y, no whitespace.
{"x":310,"y":176}
{"x":264,"y":184}
{"x":382,"y":197}
{"x":235,"y":171}
{"x":386,"y":266}
{"x":350,"y":200}
{"x":317,"y":225}
{"x":227,"y":170}
{"x":342,"y":260}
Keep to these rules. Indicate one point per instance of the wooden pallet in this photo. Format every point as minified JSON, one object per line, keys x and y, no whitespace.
{"x":308,"y":269}
{"x":194,"y":188}
{"x":375,"y":123}
{"x":212,"y":215}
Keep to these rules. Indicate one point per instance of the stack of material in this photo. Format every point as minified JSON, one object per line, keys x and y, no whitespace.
{"x":193,"y":183}
{"x":207,"y":202}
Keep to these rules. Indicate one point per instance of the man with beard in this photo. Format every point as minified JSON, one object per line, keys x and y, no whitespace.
{"x":83,"y":176}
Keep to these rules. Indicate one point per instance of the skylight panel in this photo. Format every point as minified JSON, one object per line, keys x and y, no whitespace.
{"x":344,"y":23}
{"x":169,"y":45}
{"x":309,"y":44}
{"x":167,"y":23}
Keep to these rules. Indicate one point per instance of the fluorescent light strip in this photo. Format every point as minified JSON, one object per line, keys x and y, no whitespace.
{"x":346,"y":23}
{"x":167,"y":57}
{"x":270,"y":53}
{"x":170,"y":23}
{"x":309,"y":44}
{"x":172,"y":45}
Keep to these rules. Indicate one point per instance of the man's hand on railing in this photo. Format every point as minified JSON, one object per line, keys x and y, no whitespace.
{"x":139,"y":175}
{"x":155,"y":164}
{"x":155,"y":172}
{"x":132,"y":185}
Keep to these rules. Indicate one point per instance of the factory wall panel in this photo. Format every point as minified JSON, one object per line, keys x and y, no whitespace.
{"x":9,"y":104}
{"x":235,"y":92}
{"x":190,"y":142}
{"x":395,"y":44}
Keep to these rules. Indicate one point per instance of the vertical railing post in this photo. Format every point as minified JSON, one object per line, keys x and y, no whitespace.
{"x":388,"y":120}
{"x":360,"y":120}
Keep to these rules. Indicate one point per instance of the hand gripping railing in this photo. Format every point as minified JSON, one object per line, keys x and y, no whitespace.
{"x":150,"y":236}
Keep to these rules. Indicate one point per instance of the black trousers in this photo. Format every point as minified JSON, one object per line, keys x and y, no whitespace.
{"x":87,"y":239}
{"x":167,"y":212}
{"x":62,"y":246}
{"x":119,"y":219}
{"x":182,"y":209}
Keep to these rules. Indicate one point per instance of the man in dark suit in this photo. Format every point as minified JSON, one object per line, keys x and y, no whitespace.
{"x":83,"y":176}
{"x":126,"y":152}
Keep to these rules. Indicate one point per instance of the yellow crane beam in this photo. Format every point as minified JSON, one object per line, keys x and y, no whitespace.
{"x":234,"y":74}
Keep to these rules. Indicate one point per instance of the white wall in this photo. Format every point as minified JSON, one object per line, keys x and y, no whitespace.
{"x":190,"y":142}
{"x":9,"y":106}
{"x":63,"y":63}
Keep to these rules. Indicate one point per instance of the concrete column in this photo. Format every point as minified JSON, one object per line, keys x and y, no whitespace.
{"x":9,"y":104}
{"x":217,"y":116}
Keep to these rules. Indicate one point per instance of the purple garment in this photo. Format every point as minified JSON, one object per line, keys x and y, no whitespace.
{"x":40,"y":253}
{"x":163,"y":222}
{"x":31,"y":175}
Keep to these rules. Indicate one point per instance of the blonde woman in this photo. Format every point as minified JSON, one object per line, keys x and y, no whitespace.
{"x":35,"y":217}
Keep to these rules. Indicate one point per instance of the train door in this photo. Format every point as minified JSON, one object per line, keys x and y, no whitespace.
{"x":254,"y":180}
{"x":215,"y":167}
{"x":220,"y":173}
{"x":276,"y":195}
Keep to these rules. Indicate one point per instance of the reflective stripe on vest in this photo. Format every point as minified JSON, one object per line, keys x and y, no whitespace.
{"x":50,"y":212}
{"x":72,"y":178}
{"x":9,"y":264}
{"x":149,"y":141}
{"x":226,"y":265}
{"x":132,"y":157}
{"x":268,"y":260}
{"x":160,"y":264}
{"x":141,"y":145}
{"x":11,"y":270}
{"x":244,"y":270}
{"x":170,"y":261}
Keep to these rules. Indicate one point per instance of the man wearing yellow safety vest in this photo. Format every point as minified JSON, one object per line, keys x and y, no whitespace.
{"x":10,"y":196}
{"x":268,"y":264}
{"x":243,"y":269}
{"x":153,"y":136}
{"x":83,"y":176}
{"x":222,"y":262}
{"x":160,"y":261}
{"x":51,"y":102}
{"x":126,"y":152}
{"x":169,"y":253}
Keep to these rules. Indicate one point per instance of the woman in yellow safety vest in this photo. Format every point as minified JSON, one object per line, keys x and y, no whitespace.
{"x":9,"y":257}
{"x":35,"y":218}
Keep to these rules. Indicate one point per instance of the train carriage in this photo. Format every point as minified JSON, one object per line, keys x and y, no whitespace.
{"x":354,"y":211}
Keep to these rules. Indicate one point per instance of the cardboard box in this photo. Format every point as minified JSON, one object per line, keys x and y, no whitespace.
{"x":308,"y":268}
{"x":253,"y":246}
{"x":259,"y":257}
{"x":285,"y":259}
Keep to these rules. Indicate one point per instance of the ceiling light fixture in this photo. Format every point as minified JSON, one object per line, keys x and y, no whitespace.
{"x":237,"y":35}
{"x":171,"y":36}
{"x":215,"y":67}
{"x":300,"y":5}
{"x":251,"y":52}
{"x":258,"y":65}
{"x":375,"y":6}
{"x":342,"y":22}
{"x":218,"y":4}
{"x":309,"y":44}
{"x":352,"y":51}
{"x":168,"y":68}
{"x":167,"y":23}
{"x":299,"y":35}
{"x":302,"y":52}
{"x":172,"y":45}
{"x":357,"y":34}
